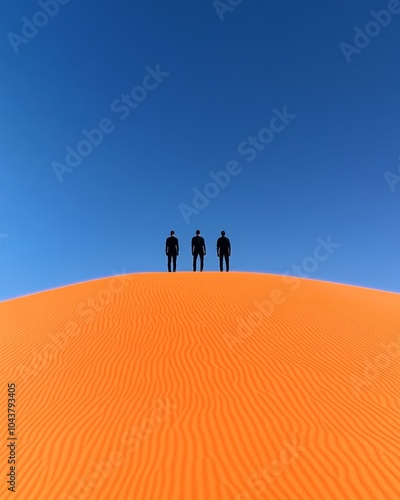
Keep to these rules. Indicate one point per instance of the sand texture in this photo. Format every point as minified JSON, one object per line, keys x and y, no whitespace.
{"x":203,"y":386}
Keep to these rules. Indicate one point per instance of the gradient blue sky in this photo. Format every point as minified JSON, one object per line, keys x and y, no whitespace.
{"x":322,"y":175}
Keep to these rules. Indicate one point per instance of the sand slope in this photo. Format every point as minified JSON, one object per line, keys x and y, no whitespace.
{"x":203,"y":386}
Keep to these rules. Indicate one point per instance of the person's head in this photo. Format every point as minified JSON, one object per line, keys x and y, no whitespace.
{"x":197,"y":232}
{"x":172,"y":233}
{"x":223,"y":233}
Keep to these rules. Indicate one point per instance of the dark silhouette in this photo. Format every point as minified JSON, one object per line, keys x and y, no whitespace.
{"x":198,"y":250}
{"x":223,"y":251}
{"x":172,"y":250}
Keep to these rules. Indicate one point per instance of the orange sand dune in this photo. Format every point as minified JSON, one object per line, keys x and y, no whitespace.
{"x":202,"y":386}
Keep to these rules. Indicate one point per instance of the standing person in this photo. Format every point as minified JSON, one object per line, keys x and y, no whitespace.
{"x":198,"y":249}
{"x":172,"y":250}
{"x":223,"y":251}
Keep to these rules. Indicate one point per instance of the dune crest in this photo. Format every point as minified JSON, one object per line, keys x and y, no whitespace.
{"x":203,"y":386}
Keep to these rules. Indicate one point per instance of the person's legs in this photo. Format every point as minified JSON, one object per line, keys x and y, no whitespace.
{"x":169,"y":263}
{"x":221,"y":264}
{"x":174,"y":262}
{"x":194,"y":260}
{"x":227,"y":262}
{"x":201,"y":261}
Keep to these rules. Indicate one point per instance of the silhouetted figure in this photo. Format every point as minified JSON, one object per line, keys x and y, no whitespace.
{"x":223,"y":251}
{"x":198,"y":250}
{"x":172,"y":250}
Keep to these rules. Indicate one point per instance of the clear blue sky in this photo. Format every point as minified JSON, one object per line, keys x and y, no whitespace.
{"x":322,"y":174}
